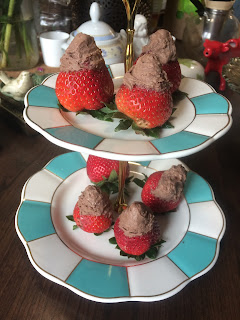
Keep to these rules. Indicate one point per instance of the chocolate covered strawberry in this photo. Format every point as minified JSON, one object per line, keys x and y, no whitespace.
{"x":84,"y":81}
{"x":163,"y":190}
{"x":93,"y":212}
{"x":144,"y":95}
{"x":163,"y":46}
{"x":136,"y":229}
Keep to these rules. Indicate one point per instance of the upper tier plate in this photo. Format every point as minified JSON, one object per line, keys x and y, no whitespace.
{"x":200,"y":119}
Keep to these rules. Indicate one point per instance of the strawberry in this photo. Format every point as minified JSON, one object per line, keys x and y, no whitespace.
{"x":136,"y":229}
{"x":144,"y":95}
{"x":91,"y":224}
{"x":99,"y":168}
{"x":163,"y":190}
{"x":93,"y":212}
{"x":163,"y":46}
{"x":84,"y":81}
{"x":172,"y":68}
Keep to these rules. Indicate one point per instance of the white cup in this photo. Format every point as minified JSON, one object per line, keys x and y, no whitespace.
{"x":51,"y":46}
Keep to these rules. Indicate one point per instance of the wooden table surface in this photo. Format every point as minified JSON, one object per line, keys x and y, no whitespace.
{"x":27,"y":295}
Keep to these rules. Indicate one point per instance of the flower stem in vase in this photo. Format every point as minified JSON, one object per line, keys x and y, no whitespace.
{"x":130,"y":32}
{"x":7,"y":34}
{"x":120,"y":204}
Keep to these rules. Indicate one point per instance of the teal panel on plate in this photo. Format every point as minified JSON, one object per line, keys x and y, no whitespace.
{"x":66,"y":164}
{"x":75,"y":136}
{"x":194,"y":253}
{"x":100,"y":280}
{"x":196,"y":189}
{"x":109,"y":70}
{"x":210,"y":103}
{"x":43,"y":96}
{"x":179,"y":141}
{"x":34,"y":220}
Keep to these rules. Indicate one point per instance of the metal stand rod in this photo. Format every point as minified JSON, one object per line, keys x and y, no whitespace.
{"x":120,"y":202}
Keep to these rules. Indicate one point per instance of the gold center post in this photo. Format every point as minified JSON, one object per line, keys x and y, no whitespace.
{"x":120,"y":203}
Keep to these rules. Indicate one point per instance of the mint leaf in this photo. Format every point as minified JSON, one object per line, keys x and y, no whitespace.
{"x":128,"y":180}
{"x":139,"y":182}
{"x":154,"y":132}
{"x":112,"y":240}
{"x":178,"y":95}
{"x":111,"y":105}
{"x":119,"y":115}
{"x":139,"y":258}
{"x":107,"y":110}
{"x":152,"y":253}
{"x":122,"y":253}
{"x":123,"y":125}
{"x":167,"y":125}
{"x":75,"y":227}
{"x":70,"y":218}
{"x":62,"y":107}
{"x":99,"y":115}
{"x":113,"y":176}
{"x":159,"y":243}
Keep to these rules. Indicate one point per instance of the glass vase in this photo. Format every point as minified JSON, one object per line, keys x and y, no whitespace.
{"x":19,"y":48}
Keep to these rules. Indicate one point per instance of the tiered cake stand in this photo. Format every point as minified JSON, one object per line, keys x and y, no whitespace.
{"x":87,"y":264}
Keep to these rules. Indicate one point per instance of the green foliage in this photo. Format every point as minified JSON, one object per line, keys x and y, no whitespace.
{"x":151,"y":253}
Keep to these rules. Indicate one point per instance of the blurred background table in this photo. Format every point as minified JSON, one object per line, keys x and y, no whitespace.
{"x":25,"y":294}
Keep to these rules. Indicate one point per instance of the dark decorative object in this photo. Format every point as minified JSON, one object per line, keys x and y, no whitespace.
{"x":113,"y":12}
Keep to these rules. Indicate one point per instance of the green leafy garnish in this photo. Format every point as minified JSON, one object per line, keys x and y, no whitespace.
{"x":112,"y":240}
{"x":70,"y":217}
{"x":178,"y":96}
{"x":124,"y":124}
{"x":151,"y":253}
{"x":140,"y":182}
{"x":111,"y":185}
{"x":62,"y":107}
{"x":110,"y":112}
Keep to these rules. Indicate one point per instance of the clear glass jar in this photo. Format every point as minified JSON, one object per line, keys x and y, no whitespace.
{"x":19,"y":48}
{"x":219,"y":25}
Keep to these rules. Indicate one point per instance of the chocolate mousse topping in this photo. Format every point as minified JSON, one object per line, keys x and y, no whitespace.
{"x":147,"y":73}
{"x":82,"y":53}
{"x":170,"y":186}
{"x":162,"y":45}
{"x":136,"y":220}
{"x":94,"y":202}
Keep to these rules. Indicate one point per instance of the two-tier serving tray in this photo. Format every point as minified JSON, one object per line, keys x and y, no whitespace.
{"x":87,"y":264}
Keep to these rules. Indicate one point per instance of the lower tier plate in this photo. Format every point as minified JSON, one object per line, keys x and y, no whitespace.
{"x":89,"y":265}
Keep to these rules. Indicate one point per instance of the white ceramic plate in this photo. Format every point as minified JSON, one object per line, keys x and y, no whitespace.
{"x":89,"y":265}
{"x":200,"y":119}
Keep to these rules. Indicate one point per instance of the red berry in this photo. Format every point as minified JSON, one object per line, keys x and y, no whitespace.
{"x":84,"y":89}
{"x":147,"y":108}
{"x":97,"y":168}
{"x":90,"y":223}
